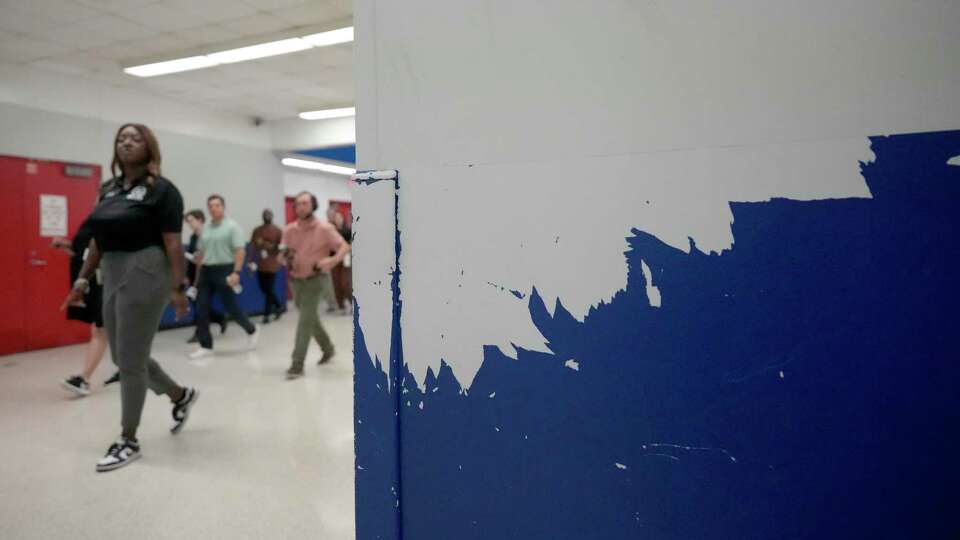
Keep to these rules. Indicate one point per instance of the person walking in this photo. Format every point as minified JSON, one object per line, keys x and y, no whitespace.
{"x":136,"y":242}
{"x":266,"y":250}
{"x":220,"y":255}
{"x":311,"y":248}
{"x":195,"y":219}
{"x":90,"y":312}
{"x":341,"y":275}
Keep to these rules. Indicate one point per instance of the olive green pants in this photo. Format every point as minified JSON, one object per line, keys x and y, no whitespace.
{"x":307,"y":294}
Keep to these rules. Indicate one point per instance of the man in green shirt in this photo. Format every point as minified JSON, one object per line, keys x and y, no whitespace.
{"x":219,"y":258}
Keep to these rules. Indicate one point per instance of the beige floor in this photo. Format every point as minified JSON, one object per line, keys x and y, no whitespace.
{"x":261,"y":457}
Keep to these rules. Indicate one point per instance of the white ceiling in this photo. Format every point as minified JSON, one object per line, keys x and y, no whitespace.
{"x":95,"y":38}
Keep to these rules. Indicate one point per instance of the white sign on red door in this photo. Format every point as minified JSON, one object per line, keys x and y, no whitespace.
{"x":53,"y":215}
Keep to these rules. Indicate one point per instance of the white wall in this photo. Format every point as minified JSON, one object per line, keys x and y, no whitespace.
{"x":495,"y":81}
{"x":250,"y":178}
{"x":510,"y":121}
{"x":324,"y":186}
{"x":297,"y":134}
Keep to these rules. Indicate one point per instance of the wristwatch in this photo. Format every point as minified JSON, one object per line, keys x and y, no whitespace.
{"x":180,"y":287}
{"x":83,"y":284}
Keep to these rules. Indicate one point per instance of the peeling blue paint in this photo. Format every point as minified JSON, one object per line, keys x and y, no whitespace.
{"x":376,"y":406}
{"x":679,"y":421}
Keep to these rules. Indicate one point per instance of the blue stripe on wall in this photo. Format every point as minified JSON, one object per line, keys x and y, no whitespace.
{"x":346,"y":153}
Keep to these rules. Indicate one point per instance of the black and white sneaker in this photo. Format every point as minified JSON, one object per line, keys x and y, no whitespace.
{"x":76,"y":384}
{"x":181,"y":409}
{"x":119,"y":454}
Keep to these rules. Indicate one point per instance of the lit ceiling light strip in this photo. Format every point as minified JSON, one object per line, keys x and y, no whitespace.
{"x":171,"y":66}
{"x":317,"y":166}
{"x":333,"y":37}
{"x":263,"y":50}
{"x":328,"y":113}
{"x":242,"y":54}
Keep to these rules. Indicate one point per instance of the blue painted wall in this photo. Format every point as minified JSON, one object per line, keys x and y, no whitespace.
{"x":801,"y":384}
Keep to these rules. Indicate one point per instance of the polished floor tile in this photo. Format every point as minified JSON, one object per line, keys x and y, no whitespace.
{"x":261,"y":457}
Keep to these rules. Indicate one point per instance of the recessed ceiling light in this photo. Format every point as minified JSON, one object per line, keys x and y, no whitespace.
{"x":241,"y":54}
{"x":328,"y":113}
{"x":263,"y":50}
{"x":333,"y":37}
{"x":171,"y":66}
{"x":317,"y":166}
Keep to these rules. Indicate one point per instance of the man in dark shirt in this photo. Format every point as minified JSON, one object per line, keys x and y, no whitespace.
{"x":266,"y":250}
{"x":195,"y":219}
{"x":341,"y":273}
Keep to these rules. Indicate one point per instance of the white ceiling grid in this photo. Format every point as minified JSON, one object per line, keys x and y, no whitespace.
{"x":95,"y":38}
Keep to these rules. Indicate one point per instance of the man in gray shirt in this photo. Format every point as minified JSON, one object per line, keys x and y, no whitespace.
{"x":219,"y":258}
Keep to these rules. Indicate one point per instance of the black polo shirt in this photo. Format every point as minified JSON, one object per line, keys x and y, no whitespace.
{"x":81,"y":241}
{"x":136,"y":218}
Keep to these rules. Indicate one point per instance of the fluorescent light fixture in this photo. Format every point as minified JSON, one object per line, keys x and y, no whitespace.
{"x":170,"y":66}
{"x":253,"y":52}
{"x":317,"y":166}
{"x":328,"y":113}
{"x":263,"y":50}
{"x":333,"y":37}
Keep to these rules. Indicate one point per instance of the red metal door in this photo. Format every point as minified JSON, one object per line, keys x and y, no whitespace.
{"x":344,"y":208}
{"x":13,"y":329}
{"x":48,"y":269}
{"x":38,"y":276}
{"x":290,"y":215}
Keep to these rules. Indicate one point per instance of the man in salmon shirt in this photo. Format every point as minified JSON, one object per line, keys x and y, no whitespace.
{"x":311,"y":248}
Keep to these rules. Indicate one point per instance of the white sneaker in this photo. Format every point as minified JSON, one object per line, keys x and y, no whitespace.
{"x":254,"y":338}
{"x":181,"y":409}
{"x":200,"y":353}
{"x":123,"y":452}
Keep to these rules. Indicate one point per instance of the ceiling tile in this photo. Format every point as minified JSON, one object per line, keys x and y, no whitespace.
{"x":95,"y":33}
{"x":207,"y":94}
{"x":244,"y":70}
{"x":18,"y":48}
{"x":270,"y":5}
{"x":310,"y":13}
{"x":117,"y":51}
{"x":204,"y":36}
{"x":116,"y":77}
{"x":88,"y":60}
{"x":160,"y":17}
{"x":170,"y":85}
{"x":114,"y":6}
{"x":14,"y":19}
{"x":213,"y":11}
{"x":253,"y":25}
{"x":93,"y":39}
{"x":59,"y":11}
{"x":159,"y":43}
{"x":63,"y":67}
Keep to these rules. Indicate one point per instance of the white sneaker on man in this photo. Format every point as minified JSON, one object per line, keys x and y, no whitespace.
{"x":200,"y":353}
{"x":254,"y":338}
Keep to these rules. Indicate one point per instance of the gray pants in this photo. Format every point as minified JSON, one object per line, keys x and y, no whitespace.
{"x":136,"y":289}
